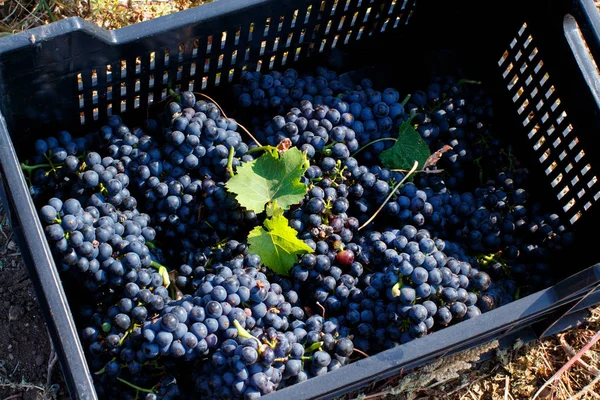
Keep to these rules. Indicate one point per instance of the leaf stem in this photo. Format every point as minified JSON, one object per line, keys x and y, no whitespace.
{"x":230,"y":161}
{"x":131,"y":385}
{"x":412,"y":171}
{"x":370,"y":143}
{"x":261,"y":148}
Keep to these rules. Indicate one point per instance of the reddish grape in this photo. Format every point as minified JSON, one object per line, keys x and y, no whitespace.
{"x":345,"y":257}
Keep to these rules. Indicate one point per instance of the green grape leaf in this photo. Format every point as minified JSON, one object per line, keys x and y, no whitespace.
{"x":269,"y":178}
{"x":409,"y":147}
{"x":273,"y":209}
{"x":277,"y":244}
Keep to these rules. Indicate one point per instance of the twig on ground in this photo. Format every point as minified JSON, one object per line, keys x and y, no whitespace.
{"x":14,"y":396}
{"x":568,"y":365}
{"x":571,"y":352}
{"x":23,"y":385}
{"x":587,"y":389}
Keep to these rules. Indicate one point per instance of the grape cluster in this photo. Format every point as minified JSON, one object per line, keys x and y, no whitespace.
{"x":377,"y":117}
{"x":257,"y":365}
{"x":99,"y":232}
{"x":177,"y":303}
{"x":62,"y":150}
{"x":459,"y":114}
{"x":180,"y":171}
{"x":279,"y":92}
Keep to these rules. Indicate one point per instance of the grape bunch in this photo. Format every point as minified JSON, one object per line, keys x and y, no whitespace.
{"x":458,"y":113}
{"x":179,"y":295}
{"x":279,"y":92}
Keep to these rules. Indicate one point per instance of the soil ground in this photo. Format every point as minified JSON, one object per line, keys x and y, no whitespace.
{"x":25,"y":349}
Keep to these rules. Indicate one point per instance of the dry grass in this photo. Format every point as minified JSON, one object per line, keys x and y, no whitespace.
{"x":520,"y":373}
{"x":18,"y":15}
{"x":515,"y":373}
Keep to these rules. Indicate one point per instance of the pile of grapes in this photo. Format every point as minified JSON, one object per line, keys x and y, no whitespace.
{"x":225,"y":262}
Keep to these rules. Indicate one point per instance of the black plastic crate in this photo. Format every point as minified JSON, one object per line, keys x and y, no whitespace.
{"x":533,"y":56}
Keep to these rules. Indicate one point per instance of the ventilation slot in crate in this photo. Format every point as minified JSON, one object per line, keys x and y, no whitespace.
{"x":547,"y":125}
{"x":214,"y":58}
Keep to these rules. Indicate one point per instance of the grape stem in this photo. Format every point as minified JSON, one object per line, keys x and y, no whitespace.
{"x":477,"y":162}
{"x":243,"y":333}
{"x":177,"y":97}
{"x":463,"y":81}
{"x":52,"y":168}
{"x":406,"y":99}
{"x":412,"y":171}
{"x":223,"y":112}
{"x":313,"y":347}
{"x":322,"y":309}
{"x":361,"y":352}
{"x":103,"y":370}
{"x":162,"y":270}
{"x":126,"y":334}
{"x":230,"y":161}
{"x":30,"y":168}
{"x":131,"y":385}
{"x":329,"y":146}
{"x":370,"y":143}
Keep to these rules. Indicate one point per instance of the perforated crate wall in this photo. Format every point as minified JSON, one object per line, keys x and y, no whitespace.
{"x":551,"y":135}
{"x":208,"y":59}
